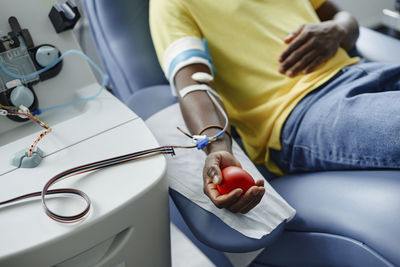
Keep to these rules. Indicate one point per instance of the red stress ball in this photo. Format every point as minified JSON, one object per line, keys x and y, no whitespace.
{"x":234,"y":177}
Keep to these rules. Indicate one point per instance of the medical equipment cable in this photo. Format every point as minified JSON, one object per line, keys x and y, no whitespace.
{"x":83,"y":169}
{"x":222,"y":111}
{"x":24,"y":112}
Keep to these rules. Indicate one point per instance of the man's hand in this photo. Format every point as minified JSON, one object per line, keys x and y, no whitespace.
{"x":309,"y":46}
{"x":235,"y":201}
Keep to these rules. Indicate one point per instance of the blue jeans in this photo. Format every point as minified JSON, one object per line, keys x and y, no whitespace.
{"x":351,"y":122}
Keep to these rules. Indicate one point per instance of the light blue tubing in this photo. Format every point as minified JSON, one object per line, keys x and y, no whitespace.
{"x":73,"y":51}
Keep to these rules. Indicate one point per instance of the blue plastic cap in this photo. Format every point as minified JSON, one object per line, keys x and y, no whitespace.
{"x":37,"y":112}
{"x":202,"y":143}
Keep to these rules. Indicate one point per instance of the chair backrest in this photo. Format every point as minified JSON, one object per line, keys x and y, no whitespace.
{"x":123,"y":25}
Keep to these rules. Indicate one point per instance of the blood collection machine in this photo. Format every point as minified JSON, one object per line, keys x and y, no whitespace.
{"x":54,"y":117}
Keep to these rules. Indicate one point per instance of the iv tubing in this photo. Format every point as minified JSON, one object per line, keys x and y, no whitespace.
{"x":73,"y":51}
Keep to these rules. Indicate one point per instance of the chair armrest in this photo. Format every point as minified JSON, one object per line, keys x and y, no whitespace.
{"x":375,"y":46}
{"x":213,"y":232}
{"x":360,"y":205}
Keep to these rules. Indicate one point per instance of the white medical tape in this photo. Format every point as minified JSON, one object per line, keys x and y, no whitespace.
{"x":197,"y":87}
{"x":202,"y":77}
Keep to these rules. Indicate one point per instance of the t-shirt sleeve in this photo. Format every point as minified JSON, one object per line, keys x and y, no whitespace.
{"x":169,"y":22}
{"x":317,"y":3}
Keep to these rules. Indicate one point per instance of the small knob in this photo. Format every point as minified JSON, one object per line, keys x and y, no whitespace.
{"x":64,"y":16}
{"x":45,"y":55}
{"x":21,"y":95}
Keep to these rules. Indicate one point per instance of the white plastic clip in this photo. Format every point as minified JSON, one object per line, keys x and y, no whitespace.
{"x":25,"y":110}
{"x":197,"y":138}
{"x":202,"y":77}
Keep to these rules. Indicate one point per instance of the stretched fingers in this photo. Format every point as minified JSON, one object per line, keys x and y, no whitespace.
{"x":297,"y":56}
{"x":294,"y":34}
{"x":297,"y":41}
{"x":303,"y":63}
{"x":313,"y":65}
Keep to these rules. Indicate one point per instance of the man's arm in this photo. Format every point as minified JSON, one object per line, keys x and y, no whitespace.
{"x":199,"y":112}
{"x":312,"y":44}
{"x":329,"y":11}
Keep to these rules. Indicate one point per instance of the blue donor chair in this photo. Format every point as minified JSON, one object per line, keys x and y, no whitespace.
{"x":344,"y":218}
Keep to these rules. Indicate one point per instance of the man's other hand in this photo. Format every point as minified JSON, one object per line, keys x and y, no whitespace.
{"x":310,"y":46}
{"x":235,"y":201}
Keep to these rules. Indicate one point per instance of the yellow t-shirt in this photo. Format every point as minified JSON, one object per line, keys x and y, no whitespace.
{"x":245,"y":39}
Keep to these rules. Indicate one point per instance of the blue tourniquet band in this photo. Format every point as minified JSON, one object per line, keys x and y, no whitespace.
{"x":185,"y":55}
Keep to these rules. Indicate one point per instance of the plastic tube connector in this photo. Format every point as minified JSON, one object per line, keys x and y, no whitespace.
{"x":202,"y":143}
{"x":218,"y":135}
{"x":21,"y":159}
{"x":36,"y":112}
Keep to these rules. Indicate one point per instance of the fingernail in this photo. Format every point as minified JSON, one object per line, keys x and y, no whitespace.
{"x":211,"y":172}
{"x":255,"y":193}
{"x":215,"y":179}
{"x":289,"y":73}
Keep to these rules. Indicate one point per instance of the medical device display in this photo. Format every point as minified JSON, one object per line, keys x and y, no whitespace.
{"x":21,"y":57}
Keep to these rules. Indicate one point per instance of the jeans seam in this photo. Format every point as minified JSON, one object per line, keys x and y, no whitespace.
{"x":345,"y":158}
{"x":361,"y":68}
